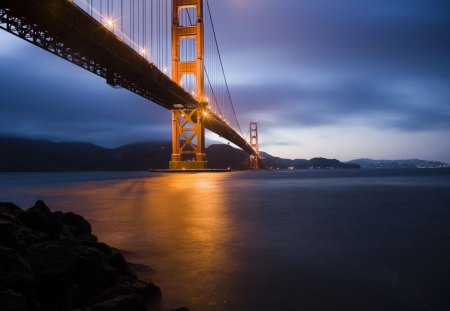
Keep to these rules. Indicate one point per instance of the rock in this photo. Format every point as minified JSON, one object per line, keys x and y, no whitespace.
{"x":93,"y":272}
{"x":104,"y":248}
{"x":76,"y":224}
{"x":12,"y":301}
{"x":17,"y":236}
{"x":51,"y":261}
{"x":54,"y":262}
{"x":133,"y":302}
{"x":119,"y":262}
{"x":15,"y":272}
{"x":88,"y":237}
{"x":41,"y":206}
{"x":181,"y":309}
{"x":66,"y":233}
{"x":115,"y":291}
{"x":95,"y":254}
{"x":9,"y":211}
{"x":70,"y":297}
{"x":140,"y":268}
{"x":150,"y":292}
{"x":41,"y":219}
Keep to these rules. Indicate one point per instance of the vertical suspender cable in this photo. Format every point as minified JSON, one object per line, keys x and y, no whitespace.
{"x":144,"y":16}
{"x":138,"y":25}
{"x":131,"y":20}
{"x":151,"y":30}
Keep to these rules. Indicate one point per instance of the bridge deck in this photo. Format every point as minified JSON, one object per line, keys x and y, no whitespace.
{"x":67,"y":31}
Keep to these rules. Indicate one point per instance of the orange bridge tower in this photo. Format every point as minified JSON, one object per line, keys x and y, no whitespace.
{"x":188,"y":132}
{"x":254,"y":159}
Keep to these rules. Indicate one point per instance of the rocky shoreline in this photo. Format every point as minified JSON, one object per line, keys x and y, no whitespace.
{"x":52,"y":261}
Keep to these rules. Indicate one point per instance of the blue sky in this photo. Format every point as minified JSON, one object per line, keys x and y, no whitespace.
{"x":342,"y":79}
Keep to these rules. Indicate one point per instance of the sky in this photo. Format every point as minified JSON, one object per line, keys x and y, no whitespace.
{"x":340,"y":79}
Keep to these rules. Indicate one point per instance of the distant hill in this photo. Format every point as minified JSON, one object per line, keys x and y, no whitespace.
{"x":27,"y":155}
{"x":315,"y":163}
{"x":412,"y":163}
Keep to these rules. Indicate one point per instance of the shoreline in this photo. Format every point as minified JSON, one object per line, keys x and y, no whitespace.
{"x":53,"y":261}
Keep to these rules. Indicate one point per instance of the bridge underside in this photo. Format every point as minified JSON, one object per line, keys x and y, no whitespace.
{"x":67,"y":31}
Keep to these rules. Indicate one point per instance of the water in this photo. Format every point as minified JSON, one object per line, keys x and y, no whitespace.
{"x":269,"y":240}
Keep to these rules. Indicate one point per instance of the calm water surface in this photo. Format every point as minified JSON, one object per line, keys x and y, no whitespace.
{"x":269,"y":240}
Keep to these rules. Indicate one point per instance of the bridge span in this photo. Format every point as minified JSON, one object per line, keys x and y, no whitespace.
{"x":63,"y":28}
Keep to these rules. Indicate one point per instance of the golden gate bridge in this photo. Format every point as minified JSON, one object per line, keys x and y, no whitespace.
{"x":163,"y":50}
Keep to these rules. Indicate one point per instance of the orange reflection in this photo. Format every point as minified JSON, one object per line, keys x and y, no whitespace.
{"x":191,"y":224}
{"x":176,"y":223}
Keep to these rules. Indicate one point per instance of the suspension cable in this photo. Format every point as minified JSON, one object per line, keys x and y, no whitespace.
{"x":221,"y":65}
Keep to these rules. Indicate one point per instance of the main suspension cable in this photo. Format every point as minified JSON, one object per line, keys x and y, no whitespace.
{"x":221,"y":65}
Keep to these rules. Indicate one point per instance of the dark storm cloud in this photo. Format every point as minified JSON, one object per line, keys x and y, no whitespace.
{"x":376,"y":105}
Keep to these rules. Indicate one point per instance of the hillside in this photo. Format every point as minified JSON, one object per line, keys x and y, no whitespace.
{"x":411,"y":163}
{"x":27,"y":155}
{"x":315,"y":163}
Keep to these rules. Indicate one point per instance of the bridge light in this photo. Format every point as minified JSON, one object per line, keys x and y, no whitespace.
{"x":143,"y":52}
{"x":165,"y":70}
{"x":205,"y":113}
{"x":110,"y":22}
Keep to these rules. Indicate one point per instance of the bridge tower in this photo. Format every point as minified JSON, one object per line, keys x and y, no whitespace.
{"x":188,"y":132}
{"x":254,"y":159}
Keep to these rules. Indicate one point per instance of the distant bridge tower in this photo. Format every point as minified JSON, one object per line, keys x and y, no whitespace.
{"x":254,"y":159}
{"x":188,"y":132}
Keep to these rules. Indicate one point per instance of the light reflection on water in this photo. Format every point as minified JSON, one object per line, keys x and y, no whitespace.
{"x":268,"y":240}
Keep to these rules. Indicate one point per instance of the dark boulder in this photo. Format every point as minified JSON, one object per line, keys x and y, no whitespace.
{"x":76,"y":224}
{"x":17,"y":236}
{"x":41,"y":219}
{"x":119,"y":262}
{"x":150,"y":292}
{"x":54,"y":261}
{"x":104,"y":248}
{"x":15,"y":272}
{"x":133,"y":302}
{"x":51,"y":261}
{"x":12,"y":301}
{"x":9,"y":211}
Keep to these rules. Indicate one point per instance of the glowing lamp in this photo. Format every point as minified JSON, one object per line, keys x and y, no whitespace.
{"x":110,"y":22}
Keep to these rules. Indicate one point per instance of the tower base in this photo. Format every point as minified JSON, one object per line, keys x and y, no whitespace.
{"x":187,"y":165}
